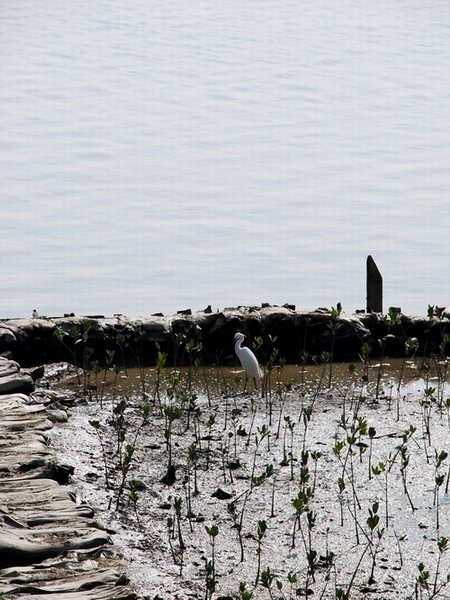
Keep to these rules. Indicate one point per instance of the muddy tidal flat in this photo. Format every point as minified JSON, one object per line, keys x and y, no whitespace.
{"x":333,"y":485}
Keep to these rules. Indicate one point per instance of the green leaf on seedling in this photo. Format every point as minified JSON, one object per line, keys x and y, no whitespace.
{"x":442,"y":544}
{"x":373,"y":519}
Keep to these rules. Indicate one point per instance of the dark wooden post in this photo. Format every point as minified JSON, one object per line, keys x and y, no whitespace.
{"x":374,"y":287}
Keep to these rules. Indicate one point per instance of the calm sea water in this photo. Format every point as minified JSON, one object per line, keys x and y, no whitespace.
{"x":156,"y":156}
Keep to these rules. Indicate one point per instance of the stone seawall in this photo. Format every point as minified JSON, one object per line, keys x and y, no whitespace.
{"x":51,"y":546}
{"x":298,"y":335}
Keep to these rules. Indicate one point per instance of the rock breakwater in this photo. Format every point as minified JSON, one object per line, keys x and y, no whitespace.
{"x":298,"y":335}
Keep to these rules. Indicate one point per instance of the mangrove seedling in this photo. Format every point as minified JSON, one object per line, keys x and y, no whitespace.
{"x":95,"y":366}
{"x":96,"y":425}
{"x":258,"y":344}
{"x":171,"y":532}
{"x":315,"y":455}
{"x":243,"y":592}
{"x":211,"y":564}
{"x":430,"y":314}
{"x":145,"y":413}
{"x":311,"y":554}
{"x":334,"y":325}
{"x":267,"y":578}
{"x":211,"y":421}
{"x":116,"y":370}
{"x":282,"y":393}
{"x":373,"y":523}
{"x":427,"y":406}
{"x":161,"y":359}
{"x":342,"y":594}
{"x":237,"y":522}
{"x":351,"y":372}
{"x":280,"y":366}
{"x":129,"y":451}
{"x":238,"y":518}
{"x":135,"y":487}
{"x":372,"y":433}
{"x":123,"y":341}
{"x":263,"y":433}
{"x":439,"y":478}
{"x":119,"y":425}
{"x":442,"y":545}
{"x":192,"y":347}
{"x":272,"y":511}
{"x":171,"y":522}
{"x":172,"y":390}
{"x":411,"y":346}
{"x":390,"y":320}
{"x":289,"y":424}
{"x":323,"y":359}
{"x":348,"y":467}
{"x":300,"y":504}
{"x":193,"y":458}
{"x":253,"y":415}
{"x":136,"y":349}
{"x":177,"y":503}
{"x":87,"y":354}
{"x":172,"y":413}
{"x":364,"y":355}
{"x":108,"y":362}
{"x":75,"y":334}
{"x":404,"y":462}
{"x":262,"y":528}
{"x":234,"y":415}
{"x":292,"y":579}
{"x":304,"y":351}
{"x":423,"y":581}
{"x":384,"y":468}
{"x":306,"y":414}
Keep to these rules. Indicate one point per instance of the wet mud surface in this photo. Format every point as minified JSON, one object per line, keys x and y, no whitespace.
{"x":315,"y":487}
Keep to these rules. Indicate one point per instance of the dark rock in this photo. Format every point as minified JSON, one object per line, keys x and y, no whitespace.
{"x":62,"y":473}
{"x":7,"y":337}
{"x":170,"y":477}
{"x":234,"y":464}
{"x":35,"y":372}
{"x":221,"y":494}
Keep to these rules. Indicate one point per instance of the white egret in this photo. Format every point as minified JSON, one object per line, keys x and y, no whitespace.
{"x":247,"y":359}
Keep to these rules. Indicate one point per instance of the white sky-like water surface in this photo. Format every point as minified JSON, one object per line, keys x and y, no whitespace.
{"x":155,"y":158}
